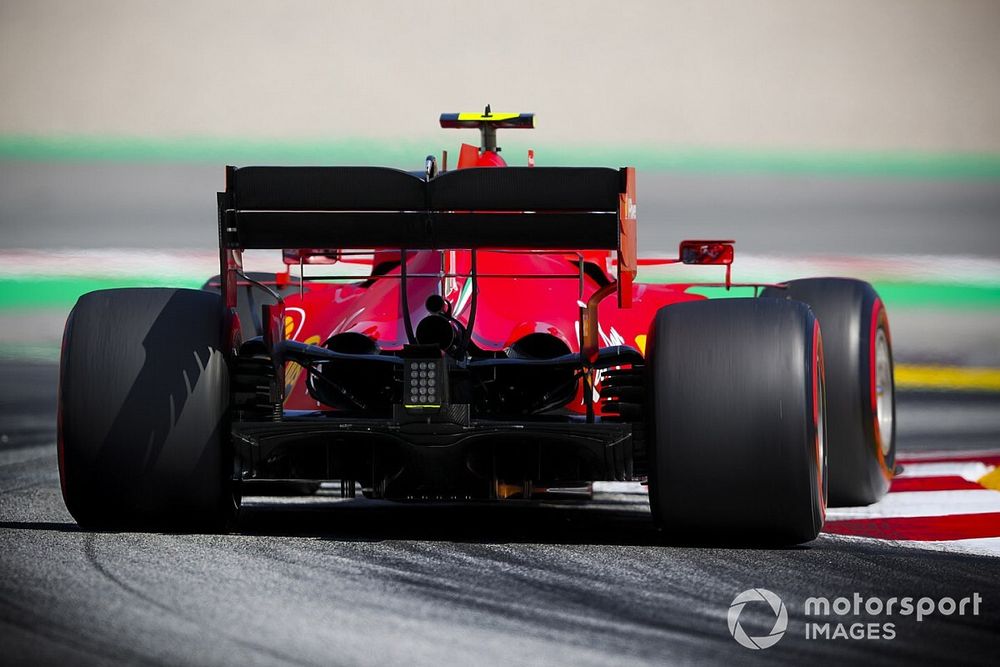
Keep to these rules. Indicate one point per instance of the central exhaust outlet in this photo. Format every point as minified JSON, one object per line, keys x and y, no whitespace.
{"x":439,"y":328}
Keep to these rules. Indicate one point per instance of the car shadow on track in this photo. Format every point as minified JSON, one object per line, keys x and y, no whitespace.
{"x":623,"y":521}
{"x":53,"y":526}
{"x":509,"y":523}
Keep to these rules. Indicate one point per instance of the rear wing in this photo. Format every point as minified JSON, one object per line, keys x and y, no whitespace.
{"x":520,"y":208}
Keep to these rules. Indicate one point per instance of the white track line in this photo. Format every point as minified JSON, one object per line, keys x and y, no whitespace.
{"x":983,"y":546}
{"x":922,"y":503}
{"x":968,"y":470}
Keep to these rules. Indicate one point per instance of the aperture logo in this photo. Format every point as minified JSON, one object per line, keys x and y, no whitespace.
{"x":851,"y":618}
{"x":780,"y":621}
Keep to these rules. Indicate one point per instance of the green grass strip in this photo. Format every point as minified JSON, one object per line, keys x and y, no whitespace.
{"x":939,"y":295}
{"x":904,"y":294}
{"x":211,"y":150}
{"x":39,"y":293}
{"x":860,"y":164}
{"x":408,"y":153}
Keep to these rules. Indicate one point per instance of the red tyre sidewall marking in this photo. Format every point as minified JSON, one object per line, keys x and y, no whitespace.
{"x":878,"y":316}
{"x":818,"y":371}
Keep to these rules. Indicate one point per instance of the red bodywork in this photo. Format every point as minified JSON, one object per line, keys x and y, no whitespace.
{"x":508,"y":308}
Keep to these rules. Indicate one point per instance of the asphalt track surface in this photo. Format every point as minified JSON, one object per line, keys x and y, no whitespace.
{"x":363,"y":583}
{"x":97,"y":205}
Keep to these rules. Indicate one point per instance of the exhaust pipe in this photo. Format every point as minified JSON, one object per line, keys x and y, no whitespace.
{"x":439,"y":330}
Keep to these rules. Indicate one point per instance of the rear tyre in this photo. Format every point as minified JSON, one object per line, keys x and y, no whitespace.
{"x":861,"y":404}
{"x":143,"y":411}
{"x":736,"y":420}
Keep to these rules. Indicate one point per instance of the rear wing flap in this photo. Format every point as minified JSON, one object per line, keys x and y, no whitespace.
{"x":527,"y":208}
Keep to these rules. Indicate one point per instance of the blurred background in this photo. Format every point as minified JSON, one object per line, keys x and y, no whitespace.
{"x":860,"y":137}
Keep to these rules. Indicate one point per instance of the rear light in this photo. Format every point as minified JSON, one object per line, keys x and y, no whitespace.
{"x":424,"y":384}
{"x":425,"y":379}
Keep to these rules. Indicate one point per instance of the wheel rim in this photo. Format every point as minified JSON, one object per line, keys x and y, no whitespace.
{"x":883,"y":391}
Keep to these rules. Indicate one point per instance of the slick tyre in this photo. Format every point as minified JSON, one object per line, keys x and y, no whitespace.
{"x":143,"y":411}
{"x":736,"y":421}
{"x":861,"y":400}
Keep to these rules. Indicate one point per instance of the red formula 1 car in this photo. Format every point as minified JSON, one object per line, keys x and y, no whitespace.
{"x":496,"y":348}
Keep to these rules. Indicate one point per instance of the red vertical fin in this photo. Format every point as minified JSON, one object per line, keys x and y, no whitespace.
{"x":468,"y":156}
